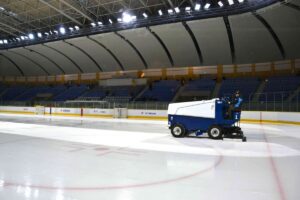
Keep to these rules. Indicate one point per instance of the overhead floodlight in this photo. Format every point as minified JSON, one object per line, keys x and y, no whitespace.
{"x":76,"y":28}
{"x":126,"y":17}
{"x":145,"y":15}
{"x":231,"y":2}
{"x":31,"y":36}
{"x":207,"y":6}
{"x":133,"y":18}
{"x":39,"y":35}
{"x":5,"y":41}
{"x":197,"y":7}
{"x":19,"y":39}
{"x":1,"y":41}
{"x":119,"y":20}
{"x":220,"y":4}
{"x":46,"y":33}
{"x":93,"y":24}
{"x":99,"y":23}
{"x":187,"y":9}
{"x":160,"y":13}
{"x":26,"y":37}
{"x":241,"y":1}
{"x":177,"y":10}
{"x":22,"y":37}
{"x":55,"y":31}
{"x":1,"y":8}
{"x":170,"y":11}
{"x":110,"y":21}
{"x":71,"y":29}
{"x":62,"y":30}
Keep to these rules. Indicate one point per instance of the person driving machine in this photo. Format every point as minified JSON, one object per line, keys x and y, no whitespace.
{"x":235,"y":104}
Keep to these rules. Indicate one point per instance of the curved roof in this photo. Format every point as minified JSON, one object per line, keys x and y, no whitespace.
{"x":267,"y":34}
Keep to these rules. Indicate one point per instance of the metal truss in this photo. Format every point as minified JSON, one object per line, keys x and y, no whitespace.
{"x":25,"y":16}
{"x":21,"y":17}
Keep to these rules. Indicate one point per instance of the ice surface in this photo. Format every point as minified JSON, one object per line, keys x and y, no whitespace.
{"x":87,"y":159}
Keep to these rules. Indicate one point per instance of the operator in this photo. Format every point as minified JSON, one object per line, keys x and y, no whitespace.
{"x":235,"y":104}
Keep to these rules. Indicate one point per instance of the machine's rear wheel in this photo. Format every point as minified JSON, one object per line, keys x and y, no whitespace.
{"x":215,"y":132}
{"x":178,"y":131}
{"x":244,"y":139}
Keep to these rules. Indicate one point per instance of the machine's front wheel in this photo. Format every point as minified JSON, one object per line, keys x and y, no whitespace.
{"x":178,"y":131}
{"x":215,"y":132}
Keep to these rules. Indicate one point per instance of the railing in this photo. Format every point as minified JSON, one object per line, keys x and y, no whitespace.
{"x":276,"y":101}
{"x":92,"y":104}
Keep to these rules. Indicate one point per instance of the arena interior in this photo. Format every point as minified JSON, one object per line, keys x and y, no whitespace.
{"x":87,"y":89}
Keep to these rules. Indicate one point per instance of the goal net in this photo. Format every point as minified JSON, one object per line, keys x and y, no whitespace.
{"x":40,"y":110}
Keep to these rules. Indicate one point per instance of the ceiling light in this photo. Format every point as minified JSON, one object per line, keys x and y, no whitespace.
{"x":119,"y":20}
{"x":31,"y":36}
{"x":207,"y":6}
{"x":99,"y":23}
{"x":230,"y":2}
{"x":177,"y":10}
{"x":62,"y":30}
{"x":5,"y":41}
{"x":187,"y":9}
{"x":76,"y":28}
{"x":55,"y":31}
{"x":197,"y":6}
{"x":22,"y":37}
{"x":39,"y":35}
{"x":128,"y":18}
{"x":93,"y":24}
{"x":241,"y":1}
{"x":145,"y":15}
{"x":1,"y":41}
{"x":110,"y":21}
{"x":160,"y":13}
{"x":71,"y":29}
{"x":170,"y":11}
{"x":220,"y":4}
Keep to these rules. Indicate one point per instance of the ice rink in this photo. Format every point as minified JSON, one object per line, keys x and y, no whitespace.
{"x":105,"y":159}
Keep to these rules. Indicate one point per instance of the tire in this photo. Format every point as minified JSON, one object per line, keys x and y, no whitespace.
{"x":215,"y":132}
{"x":244,"y":139}
{"x":178,"y":131}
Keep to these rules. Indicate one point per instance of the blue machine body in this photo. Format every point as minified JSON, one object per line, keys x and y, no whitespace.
{"x":201,"y":125}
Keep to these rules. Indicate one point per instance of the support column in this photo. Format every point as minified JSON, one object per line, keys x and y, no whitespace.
{"x":164,"y":73}
{"x":219,"y":73}
{"x":293,"y":67}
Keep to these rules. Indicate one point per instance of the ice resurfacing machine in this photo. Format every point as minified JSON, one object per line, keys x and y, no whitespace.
{"x":210,"y":116}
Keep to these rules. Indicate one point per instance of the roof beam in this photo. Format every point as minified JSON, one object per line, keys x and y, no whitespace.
{"x":61,"y":12}
{"x":11,"y":33}
{"x":77,"y":10}
{"x":192,"y":3}
{"x":171,"y":4}
{"x":13,"y":28}
{"x":145,"y":5}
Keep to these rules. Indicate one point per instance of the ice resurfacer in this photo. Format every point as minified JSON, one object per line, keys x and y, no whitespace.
{"x":210,"y":116}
